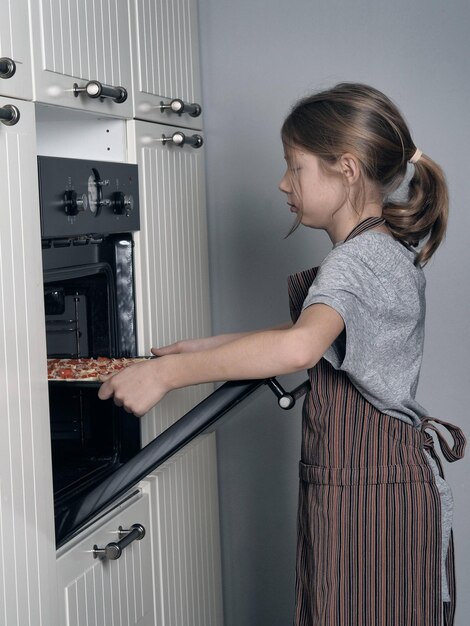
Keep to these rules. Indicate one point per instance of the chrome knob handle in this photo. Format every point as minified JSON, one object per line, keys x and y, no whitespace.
{"x":178,"y":106}
{"x":180,"y":139}
{"x":113,"y":550}
{"x":7,"y":67}
{"x":287,"y":399}
{"x":95,"y":89}
{"x":75,"y":203}
{"x":9,"y":115}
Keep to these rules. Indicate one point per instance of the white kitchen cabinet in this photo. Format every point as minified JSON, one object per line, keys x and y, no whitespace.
{"x":78,"y":41}
{"x":186,"y":544}
{"x":165,"y":59}
{"x":15,"y":50}
{"x":27,"y":542}
{"x":175,"y":569}
{"x":171,"y":255}
{"x":99,"y":591}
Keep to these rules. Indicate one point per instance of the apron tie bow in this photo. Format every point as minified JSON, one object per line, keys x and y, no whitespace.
{"x":451,"y":454}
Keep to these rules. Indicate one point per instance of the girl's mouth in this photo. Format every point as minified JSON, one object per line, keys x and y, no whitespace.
{"x":292,"y":208}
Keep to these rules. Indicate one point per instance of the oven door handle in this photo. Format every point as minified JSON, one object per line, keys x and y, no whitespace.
{"x":179,"y":434}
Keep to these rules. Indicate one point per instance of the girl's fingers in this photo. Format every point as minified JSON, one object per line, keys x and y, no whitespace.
{"x":104,"y":377}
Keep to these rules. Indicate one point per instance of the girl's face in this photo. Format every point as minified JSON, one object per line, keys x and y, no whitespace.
{"x":318,"y":197}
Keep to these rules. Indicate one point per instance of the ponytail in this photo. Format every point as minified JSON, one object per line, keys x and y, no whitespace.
{"x":423,"y":216}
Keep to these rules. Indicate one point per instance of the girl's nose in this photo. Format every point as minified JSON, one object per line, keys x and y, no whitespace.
{"x":284,"y":184}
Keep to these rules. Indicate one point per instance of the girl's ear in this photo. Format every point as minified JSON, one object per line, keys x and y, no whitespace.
{"x":350,"y":168}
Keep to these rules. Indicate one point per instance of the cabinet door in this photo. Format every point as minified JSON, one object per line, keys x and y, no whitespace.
{"x":186,"y":544}
{"x":27,"y":542}
{"x":165,"y":59}
{"x":15,"y":79}
{"x":97,"y":591}
{"x":80,"y":41}
{"x":171,"y":255}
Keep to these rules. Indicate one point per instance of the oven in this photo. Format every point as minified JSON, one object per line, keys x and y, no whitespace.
{"x":89,"y":212}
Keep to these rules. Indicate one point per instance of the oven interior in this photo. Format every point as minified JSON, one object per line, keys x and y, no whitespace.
{"x":80,"y":313}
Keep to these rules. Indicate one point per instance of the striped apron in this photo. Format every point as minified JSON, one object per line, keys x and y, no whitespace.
{"x":369,"y":517}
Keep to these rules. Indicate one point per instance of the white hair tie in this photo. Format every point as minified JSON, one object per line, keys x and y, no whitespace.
{"x":416,"y":156}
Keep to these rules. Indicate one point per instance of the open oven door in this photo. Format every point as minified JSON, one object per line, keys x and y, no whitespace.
{"x":196,"y":421}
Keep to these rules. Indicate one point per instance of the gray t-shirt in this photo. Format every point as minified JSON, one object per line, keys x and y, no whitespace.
{"x":372,"y":282}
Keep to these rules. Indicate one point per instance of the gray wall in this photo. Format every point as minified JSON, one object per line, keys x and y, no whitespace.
{"x":258,"y":57}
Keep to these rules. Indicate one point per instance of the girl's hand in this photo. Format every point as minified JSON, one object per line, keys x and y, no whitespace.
{"x":137,"y":388}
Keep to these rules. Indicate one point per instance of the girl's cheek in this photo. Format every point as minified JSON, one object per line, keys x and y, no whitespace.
{"x":296,"y":188}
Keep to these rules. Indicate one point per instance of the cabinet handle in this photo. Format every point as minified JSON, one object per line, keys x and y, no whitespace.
{"x":114,"y":549}
{"x":7,"y":67}
{"x":95,"y":89}
{"x":180,"y":139}
{"x":9,"y":114}
{"x":178,"y":106}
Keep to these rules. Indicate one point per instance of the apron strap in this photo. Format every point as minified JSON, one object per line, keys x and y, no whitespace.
{"x":449,"y":607}
{"x":451,"y":454}
{"x":366,"y":224}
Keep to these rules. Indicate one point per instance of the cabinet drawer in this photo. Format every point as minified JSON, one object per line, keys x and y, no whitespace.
{"x":94,"y":591}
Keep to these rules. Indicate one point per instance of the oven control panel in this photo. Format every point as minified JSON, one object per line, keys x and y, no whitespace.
{"x":80,"y":197}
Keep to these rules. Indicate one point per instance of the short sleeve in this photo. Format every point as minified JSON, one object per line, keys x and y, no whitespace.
{"x":348,"y":284}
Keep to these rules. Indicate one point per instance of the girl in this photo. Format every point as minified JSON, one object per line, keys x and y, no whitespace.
{"x":374,"y":543}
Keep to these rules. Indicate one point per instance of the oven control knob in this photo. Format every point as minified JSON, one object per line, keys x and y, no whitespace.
{"x":122,"y":203}
{"x":75,"y":203}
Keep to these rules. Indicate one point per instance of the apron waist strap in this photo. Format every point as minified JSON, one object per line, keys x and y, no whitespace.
{"x":451,"y":454}
{"x":375,"y":475}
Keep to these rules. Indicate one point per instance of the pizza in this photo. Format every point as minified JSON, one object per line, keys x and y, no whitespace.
{"x":87,"y":370}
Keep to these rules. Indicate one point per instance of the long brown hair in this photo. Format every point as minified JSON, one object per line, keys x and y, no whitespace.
{"x":359,"y":119}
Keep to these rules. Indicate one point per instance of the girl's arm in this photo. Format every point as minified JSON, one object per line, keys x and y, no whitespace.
{"x":206,"y":343}
{"x":255,"y":355}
